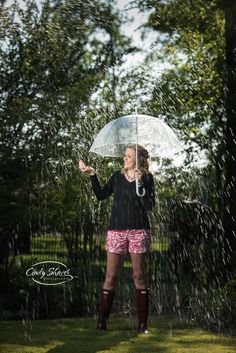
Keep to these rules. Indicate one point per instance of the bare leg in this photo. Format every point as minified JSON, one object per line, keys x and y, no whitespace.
{"x":115,"y":264}
{"x":139,"y":266}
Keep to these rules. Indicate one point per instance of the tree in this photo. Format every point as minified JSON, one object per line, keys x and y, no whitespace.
{"x":52,"y":60}
{"x":198,"y":94}
{"x":230,"y":155}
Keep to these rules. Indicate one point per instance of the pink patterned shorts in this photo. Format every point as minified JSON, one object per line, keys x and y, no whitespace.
{"x":131,"y":240}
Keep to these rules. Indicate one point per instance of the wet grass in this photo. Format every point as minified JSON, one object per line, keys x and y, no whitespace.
{"x":79,"y":335}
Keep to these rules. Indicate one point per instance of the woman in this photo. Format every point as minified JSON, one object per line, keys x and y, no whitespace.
{"x":128,"y":230}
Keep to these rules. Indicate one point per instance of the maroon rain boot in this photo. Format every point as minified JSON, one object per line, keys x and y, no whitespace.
{"x":106,"y":301}
{"x":142,"y":297}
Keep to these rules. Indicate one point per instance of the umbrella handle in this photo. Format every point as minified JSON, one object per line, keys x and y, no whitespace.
{"x":136,"y":155}
{"x":137,"y":189}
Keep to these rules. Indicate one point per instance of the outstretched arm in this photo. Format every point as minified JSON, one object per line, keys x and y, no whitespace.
{"x":100,"y":192}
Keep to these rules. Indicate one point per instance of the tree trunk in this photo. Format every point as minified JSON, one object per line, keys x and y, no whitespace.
{"x":229,"y":219}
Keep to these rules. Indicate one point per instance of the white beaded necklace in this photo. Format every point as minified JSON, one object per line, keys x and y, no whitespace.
{"x":130,"y":178}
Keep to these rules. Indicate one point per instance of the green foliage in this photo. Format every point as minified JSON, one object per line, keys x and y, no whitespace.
{"x":52,"y":60}
{"x":190,"y":93}
{"x":198,"y":93}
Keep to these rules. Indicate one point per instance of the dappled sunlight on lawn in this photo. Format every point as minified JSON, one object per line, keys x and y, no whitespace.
{"x":79,"y":335}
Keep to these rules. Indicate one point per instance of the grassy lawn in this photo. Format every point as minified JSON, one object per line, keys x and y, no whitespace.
{"x":79,"y":335}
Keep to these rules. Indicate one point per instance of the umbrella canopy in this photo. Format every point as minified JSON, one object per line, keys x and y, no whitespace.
{"x":157,"y":137}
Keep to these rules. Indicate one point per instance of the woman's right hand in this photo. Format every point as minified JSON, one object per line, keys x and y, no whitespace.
{"x":86,"y":169}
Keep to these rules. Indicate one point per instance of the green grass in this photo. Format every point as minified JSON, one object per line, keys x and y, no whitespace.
{"x":79,"y":335}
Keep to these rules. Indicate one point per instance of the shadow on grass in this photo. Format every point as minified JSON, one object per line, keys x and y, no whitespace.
{"x":119,"y":338}
{"x":79,"y":336}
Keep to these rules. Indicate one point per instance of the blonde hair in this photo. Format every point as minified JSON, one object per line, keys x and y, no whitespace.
{"x":143,"y":156}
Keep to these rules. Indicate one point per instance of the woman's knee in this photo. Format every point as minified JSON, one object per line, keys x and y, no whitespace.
{"x":139,"y":277}
{"x":111,"y":278}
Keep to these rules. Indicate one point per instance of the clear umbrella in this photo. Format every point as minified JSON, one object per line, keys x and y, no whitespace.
{"x":151,"y":132}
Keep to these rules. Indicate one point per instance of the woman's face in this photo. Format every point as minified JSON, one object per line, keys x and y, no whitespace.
{"x":129,"y":159}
